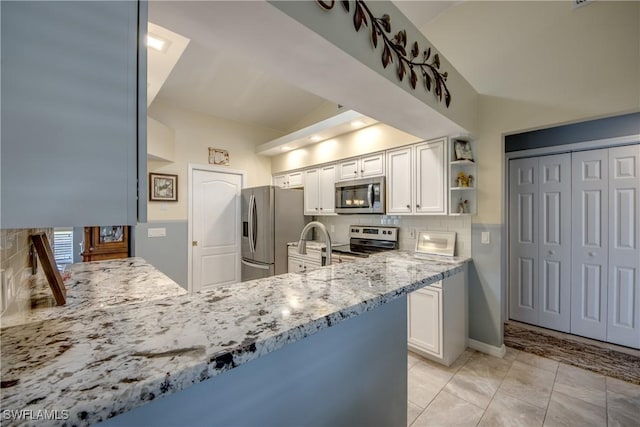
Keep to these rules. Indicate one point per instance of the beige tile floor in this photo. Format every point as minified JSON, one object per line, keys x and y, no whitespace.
{"x":519,"y":390}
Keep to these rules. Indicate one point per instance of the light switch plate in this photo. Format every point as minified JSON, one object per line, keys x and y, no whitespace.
{"x":485,"y":238}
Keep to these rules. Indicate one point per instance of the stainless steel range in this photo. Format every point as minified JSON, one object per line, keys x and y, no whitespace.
{"x":367,"y":239}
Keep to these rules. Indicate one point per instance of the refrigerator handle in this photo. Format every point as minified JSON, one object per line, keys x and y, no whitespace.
{"x":251,"y":249}
{"x":254,"y":227}
{"x":252,"y":265}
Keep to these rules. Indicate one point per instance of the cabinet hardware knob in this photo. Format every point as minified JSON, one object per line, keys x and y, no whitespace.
{"x":417,"y":206}
{"x":316,"y":208}
{"x":361,"y":170}
{"x":320,"y":208}
{"x":592,"y":254}
{"x":194,"y":243}
{"x":408,"y":206}
{"x":355,"y":172}
{"x":551,"y":252}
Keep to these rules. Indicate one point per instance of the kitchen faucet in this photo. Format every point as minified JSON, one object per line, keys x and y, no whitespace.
{"x":302,"y":243}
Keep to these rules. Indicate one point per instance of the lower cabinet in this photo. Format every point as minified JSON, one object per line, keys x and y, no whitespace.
{"x":437,"y":319}
{"x":299,"y":263}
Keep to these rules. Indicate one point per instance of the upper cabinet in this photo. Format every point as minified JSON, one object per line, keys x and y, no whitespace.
{"x":361,"y":167}
{"x":289,"y":180}
{"x":462,"y":176}
{"x":73,"y":93}
{"x":319,"y":190}
{"x":417,"y":179}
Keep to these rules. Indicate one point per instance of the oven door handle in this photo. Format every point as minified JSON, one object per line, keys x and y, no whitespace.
{"x":370,"y":195}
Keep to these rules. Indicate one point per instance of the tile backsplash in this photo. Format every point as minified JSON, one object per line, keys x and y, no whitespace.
{"x":338,"y":227}
{"x":15,"y":261}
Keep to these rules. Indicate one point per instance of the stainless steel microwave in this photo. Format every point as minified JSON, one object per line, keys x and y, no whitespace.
{"x":361,"y":196}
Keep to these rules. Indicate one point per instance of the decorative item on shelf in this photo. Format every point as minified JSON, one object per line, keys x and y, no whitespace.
{"x":463,"y":150}
{"x":463,"y":206}
{"x":163,"y":187}
{"x":218,"y":156}
{"x":409,"y":62}
{"x":463,"y":180}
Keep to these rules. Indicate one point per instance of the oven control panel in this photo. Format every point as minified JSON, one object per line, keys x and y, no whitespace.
{"x":374,"y":232}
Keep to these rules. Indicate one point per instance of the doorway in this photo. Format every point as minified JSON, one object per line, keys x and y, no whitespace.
{"x":214,"y":226}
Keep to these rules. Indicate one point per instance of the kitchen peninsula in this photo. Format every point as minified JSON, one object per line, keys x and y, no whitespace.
{"x":339,"y":332}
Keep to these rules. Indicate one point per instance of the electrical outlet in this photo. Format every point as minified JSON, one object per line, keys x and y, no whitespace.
{"x":485,"y":238}
{"x":412,"y":233}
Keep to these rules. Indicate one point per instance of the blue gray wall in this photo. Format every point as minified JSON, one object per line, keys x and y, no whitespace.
{"x":610,"y":127}
{"x":168,"y":254}
{"x":486,"y":278}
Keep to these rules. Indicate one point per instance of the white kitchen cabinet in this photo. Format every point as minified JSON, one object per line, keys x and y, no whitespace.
{"x":400,"y":181}
{"x":437,"y":319}
{"x":319,"y":190}
{"x":300,"y":263}
{"x":289,"y":180}
{"x":361,"y":167}
{"x":417,"y":179}
{"x":73,"y":113}
{"x":425,"y":327}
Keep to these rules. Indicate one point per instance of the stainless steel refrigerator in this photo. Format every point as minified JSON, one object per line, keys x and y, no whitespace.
{"x":271,"y":217}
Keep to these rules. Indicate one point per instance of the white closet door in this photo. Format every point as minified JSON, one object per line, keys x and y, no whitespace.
{"x":554,"y":243}
{"x":523,"y":240}
{"x":590,"y":241}
{"x":624,"y":256}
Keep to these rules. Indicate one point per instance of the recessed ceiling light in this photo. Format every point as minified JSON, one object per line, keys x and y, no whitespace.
{"x":357,"y":123}
{"x":155,"y":42}
{"x":315,"y":138}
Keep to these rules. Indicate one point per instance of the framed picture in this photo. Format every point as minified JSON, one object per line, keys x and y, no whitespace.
{"x":163,"y":187}
{"x":463,"y":150}
{"x":218,"y":156}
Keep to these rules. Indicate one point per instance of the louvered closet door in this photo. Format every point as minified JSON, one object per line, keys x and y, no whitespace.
{"x":523,"y":240}
{"x":554,"y":242}
{"x":624,"y":255}
{"x":590,"y":243}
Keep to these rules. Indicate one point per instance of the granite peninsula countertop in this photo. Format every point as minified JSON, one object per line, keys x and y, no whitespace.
{"x":103,"y":360}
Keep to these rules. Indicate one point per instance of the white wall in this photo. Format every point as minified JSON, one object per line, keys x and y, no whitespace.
{"x":194,"y":134}
{"x":582,"y":63}
{"x":377,"y":137}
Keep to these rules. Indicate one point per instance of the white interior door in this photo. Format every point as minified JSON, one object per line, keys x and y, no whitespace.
{"x":590,"y":241}
{"x":215,"y":228}
{"x":523,"y":240}
{"x":623,"y":326}
{"x":554,"y":242}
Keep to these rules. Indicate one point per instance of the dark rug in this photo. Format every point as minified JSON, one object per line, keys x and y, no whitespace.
{"x":603,"y":361}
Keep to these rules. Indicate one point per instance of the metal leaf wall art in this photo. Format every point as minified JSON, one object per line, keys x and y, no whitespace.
{"x":395,"y":45}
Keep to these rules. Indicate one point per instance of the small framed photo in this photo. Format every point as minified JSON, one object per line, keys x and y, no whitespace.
{"x":463,"y":151}
{"x":218,"y":156}
{"x":163,"y":187}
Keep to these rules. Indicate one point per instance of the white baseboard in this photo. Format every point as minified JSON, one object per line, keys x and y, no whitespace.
{"x":486,"y":348}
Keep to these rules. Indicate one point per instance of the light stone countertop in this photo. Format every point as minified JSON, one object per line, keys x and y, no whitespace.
{"x":99,"y":360}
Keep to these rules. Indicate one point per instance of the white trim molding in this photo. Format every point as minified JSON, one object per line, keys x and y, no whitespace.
{"x":486,"y":348}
